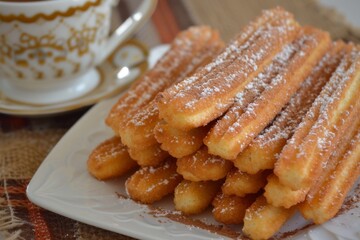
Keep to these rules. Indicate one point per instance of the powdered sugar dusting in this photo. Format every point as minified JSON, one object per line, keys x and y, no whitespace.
{"x":282,"y":69}
{"x":200,"y":88}
{"x":110,"y":149}
{"x":228,"y":55}
{"x":150,"y":111}
{"x":289,"y":118}
{"x":244,"y":99}
{"x":181,"y":53}
{"x":113,"y":152}
{"x":209,"y":160}
{"x":323,"y":105}
{"x":157,"y":177}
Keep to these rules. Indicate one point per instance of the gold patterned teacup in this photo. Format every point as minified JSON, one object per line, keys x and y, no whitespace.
{"x":49,"y":49}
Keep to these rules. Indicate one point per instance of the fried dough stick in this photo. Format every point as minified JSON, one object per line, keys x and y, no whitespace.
{"x":202,"y":166}
{"x":332,"y":190}
{"x":234,"y":131}
{"x":263,"y":151}
{"x":301,"y":160}
{"x":150,"y":156}
{"x":194,"y":197}
{"x":172,"y":66}
{"x":206,"y":95}
{"x":110,"y":159}
{"x":262,"y":220}
{"x":279,"y":194}
{"x":241,"y":184}
{"x":190,"y":140}
{"x":138,"y":131}
{"x":177,"y":142}
{"x":151,"y":184}
{"x":230,"y":209}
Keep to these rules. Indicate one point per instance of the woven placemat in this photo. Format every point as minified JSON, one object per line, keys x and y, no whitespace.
{"x":22,"y":151}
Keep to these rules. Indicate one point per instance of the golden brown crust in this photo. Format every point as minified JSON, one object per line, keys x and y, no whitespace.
{"x":228,"y":55}
{"x":172,"y":67}
{"x":230,"y":209}
{"x":263,"y":220}
{"x":110,"y":159}
{"x":200,"y":99}
{"x":194,"y":197}
{"x":201,"y":166}
{"x":301,"y":160}
{"x":305,"y":53}
{"x":326,"y":197}
{"x":340,"y":151}
{"x":179,"y":143}
{"x":150,"y":156}
{"x":138,"y":131}
{"x":151,"y":184}
{"x":279,"y":195}
{"x":241,"y":184}
{"x":263,"y":151}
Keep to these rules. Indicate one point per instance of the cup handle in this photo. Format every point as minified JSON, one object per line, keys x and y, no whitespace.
{"x":128,"y":27}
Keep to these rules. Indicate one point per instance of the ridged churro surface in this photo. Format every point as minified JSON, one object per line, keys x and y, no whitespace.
{"x":206,"y":95}
{"x":263,"y":151}
{"x":301,"y":160}
{"x":325,"y":199}
{"x":187,"y":50}
{"x":292,"y":66}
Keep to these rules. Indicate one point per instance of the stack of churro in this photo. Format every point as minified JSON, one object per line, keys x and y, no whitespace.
{"x":258,"y":129}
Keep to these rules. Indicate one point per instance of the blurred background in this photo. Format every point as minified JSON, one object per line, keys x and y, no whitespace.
{"x":340,"y":18}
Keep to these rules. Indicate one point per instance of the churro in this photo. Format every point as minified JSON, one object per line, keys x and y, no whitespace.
{"x":241,"y":184}
{"x":300,"y":163}
{"x":325,"y":199}
{"x":202,"y":166}
{"x":228,"y":140}
{"x":194,"y":197}
{"x":150,"y":156}
{"x":151,"y":184}
{"x":138,"y":131}
{"x":280,"y":195}
{"x":173,"y":66}
{"x":110,"y":159}
{"x":263,"y":151}
{"x":230,"y":209}
{"x":262,"y":220}
{"x":207,"y":94}
{"x":177,"y":142}
{"x":339,"y":152}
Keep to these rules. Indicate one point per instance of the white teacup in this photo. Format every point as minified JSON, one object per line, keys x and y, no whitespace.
{"x":49,"y":49}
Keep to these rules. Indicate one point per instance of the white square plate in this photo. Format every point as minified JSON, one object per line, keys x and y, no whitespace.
{"x":63,"y":185}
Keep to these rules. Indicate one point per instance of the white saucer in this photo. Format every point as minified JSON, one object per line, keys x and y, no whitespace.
{"x":79,"y":86}
{"x":124,"y":65}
